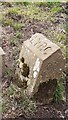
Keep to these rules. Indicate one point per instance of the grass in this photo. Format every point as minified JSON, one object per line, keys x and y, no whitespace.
{"x":7,"y":72}
{"x":17,"y":26}
{"x":15,"y":39}
{"x":58,"y":93}
{"x":10,"y":22}
{"x":5,"y":105}
{"x":0,"y":105}
{"x":18,"y":34}
{"x":48,"y":4}
{"x":18,"y":96}
{"x":7,"y":22}
{"x":6,"y":100}
{"x":33,"y":11}
{"x":1,"y":17}
{"x":14,"y":10}
{"x":27,"y":104}
{"x":55,"y":9}
{"x":57,"y":37}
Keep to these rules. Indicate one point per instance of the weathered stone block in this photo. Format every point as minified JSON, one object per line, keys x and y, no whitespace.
{"x":40,"y":60}
{"x":1,"y":61}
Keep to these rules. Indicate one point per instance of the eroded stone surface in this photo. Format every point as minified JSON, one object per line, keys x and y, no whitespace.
{"x":1,"y":61}
{"x":43,"y":60}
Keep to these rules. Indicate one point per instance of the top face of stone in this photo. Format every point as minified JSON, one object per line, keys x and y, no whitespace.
{"x":1,"y":52}
{"x":41,"y":46}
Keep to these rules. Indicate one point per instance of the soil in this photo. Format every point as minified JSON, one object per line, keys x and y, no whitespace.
{"x":44,"y":110}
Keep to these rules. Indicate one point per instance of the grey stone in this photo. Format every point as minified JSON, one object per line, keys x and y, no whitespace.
{"x":44,"y":59}
{"x":1,"y":61}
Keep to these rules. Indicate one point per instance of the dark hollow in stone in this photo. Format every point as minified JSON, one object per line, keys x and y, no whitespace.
{"x":18,"y":66}
{"x":25,"y":72}
{"x":24,"y":66}
{"x":22,"y":60}
{"x":25,"y":84}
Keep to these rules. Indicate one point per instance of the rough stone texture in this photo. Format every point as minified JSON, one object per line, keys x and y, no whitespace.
{"x":1,"y":61}
{"x":40,"y":60}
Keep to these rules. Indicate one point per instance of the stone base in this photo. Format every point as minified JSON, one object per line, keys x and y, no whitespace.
{"x":45,"y":92}
{"x":39,"y":61}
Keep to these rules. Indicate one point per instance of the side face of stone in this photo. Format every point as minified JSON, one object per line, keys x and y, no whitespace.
{"x":52,"y":67}
{"x":34,"y":64}
{"x":1,"y":52}
{"x":1,"y":61}
{"x":0,"y":66}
